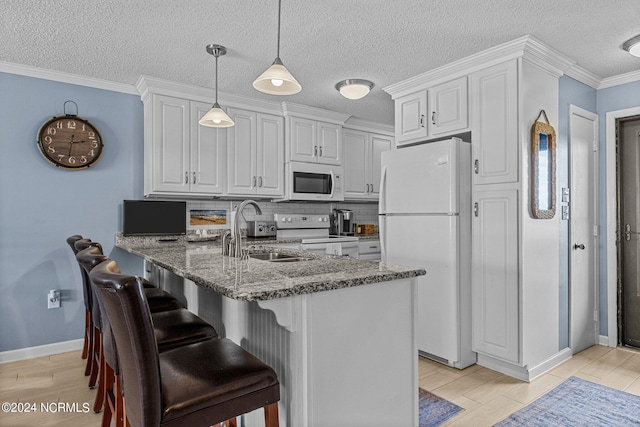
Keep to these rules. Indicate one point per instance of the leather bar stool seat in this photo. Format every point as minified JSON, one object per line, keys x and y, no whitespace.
{"x":198,"y":384}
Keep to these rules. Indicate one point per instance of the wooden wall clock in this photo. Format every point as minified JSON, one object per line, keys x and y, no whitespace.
{"x":70,"y":142}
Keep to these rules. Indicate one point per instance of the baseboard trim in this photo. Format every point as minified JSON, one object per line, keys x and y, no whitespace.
{"x":524,"y":373}
{"x":40,"y":350}
{"x":604,"y":340}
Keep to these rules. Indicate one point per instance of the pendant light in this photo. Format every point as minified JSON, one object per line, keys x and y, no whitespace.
{"x":632,"y":46}
{"x":216,"y":117}
{"x":277,"y":80}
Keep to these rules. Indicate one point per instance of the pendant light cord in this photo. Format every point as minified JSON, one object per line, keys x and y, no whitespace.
{"x":217,"y":54}
{"x":279,"y":12}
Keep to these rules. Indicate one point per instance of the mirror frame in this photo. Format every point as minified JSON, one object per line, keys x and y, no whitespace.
{"x":541,"y":128}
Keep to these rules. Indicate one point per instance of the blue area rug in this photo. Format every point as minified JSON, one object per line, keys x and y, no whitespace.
{"x":434,"y":410}
{"x":577,"y":402}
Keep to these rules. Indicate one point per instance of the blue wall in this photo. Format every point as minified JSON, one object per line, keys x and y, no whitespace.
{"x":42,"y":205}
{"x":571,"y":92}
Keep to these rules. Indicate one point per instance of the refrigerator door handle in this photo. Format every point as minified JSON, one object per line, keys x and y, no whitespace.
{"x":382,"y":231}
{"x":382,"y":204}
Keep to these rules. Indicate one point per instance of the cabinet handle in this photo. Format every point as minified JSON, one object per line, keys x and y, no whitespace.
{"x":475,"y":167}
{"x":421,"y":120}
{"x":259,"y":181}
{"x":315,"y":151}
{"x":475,"y":209}
{"x":186,"y":177}
{"x":433,"y":117}
{"x":253,"y":182}
{"x":194,"y":177}
{"x":320,"y":151}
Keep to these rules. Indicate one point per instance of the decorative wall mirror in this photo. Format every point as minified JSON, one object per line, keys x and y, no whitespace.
{"x":543,"y":164}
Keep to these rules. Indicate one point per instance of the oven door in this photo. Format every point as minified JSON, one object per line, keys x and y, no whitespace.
{"x":309,"y":181}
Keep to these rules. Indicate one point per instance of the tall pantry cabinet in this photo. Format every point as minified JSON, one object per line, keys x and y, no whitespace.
{"x":515,"y":258}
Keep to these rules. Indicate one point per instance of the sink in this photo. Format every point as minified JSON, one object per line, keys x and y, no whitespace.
{"x":276,"y":256}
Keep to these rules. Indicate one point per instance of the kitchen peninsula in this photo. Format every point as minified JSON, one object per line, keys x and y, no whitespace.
{"x":339,"y":332}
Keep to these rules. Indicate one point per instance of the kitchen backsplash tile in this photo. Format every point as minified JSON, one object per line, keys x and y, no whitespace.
{"x":363,"y":212}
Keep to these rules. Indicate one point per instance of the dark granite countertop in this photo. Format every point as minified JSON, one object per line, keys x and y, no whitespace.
{"x":252,"y":279}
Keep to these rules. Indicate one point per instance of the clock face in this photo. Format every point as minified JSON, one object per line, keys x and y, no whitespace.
{"x":70,"y":142}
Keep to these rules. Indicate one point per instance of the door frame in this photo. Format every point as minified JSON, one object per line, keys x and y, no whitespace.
{"x":611,"y":249}
{"x":577,"y":111}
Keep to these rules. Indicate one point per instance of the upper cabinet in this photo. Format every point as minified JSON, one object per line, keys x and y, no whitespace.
{"x":181,"y":156}
{"x":255,"y":161}
{"x":494,"y":106}
{"x":314,"y":141}
{"x":362,"y":154}
{"x":432,"y":112}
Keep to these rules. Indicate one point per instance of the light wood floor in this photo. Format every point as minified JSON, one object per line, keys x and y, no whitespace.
{"x":487,"y":396}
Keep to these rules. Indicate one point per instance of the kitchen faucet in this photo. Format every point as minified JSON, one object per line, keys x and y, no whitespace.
{"x":234,"y":246}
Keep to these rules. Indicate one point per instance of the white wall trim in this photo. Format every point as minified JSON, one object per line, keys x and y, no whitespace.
{"x":602,"y":340}
{"x":62,"y":77}
{"x":621,"y":79}
{"x":612,"y":199}
{"x":40,"y":350}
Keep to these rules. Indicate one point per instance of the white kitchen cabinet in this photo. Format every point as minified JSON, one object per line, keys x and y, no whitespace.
{"x":314,"y":141}
{"x":181,"y":156}
{"x":369,"y":249}
{"x":255,"y":154}
{"x":494,"y":106}
{"x":434,"y":112}
{"x":362,"y":152}
{"x":448,"y":105}
{"x":495,"y":295}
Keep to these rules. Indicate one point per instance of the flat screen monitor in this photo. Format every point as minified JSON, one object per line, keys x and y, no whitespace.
{"x":154,"y":217}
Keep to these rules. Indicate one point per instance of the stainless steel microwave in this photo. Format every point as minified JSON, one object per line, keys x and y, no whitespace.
{"x":313,"y":181}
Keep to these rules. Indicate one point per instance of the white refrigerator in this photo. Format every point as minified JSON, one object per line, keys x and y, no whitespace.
{"x":425,"y":221}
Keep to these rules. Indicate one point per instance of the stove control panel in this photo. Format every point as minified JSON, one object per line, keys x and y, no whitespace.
{"x":284,"y":221}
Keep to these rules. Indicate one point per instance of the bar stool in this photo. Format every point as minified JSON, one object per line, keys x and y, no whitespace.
{"x":87,"y":348}
{"x":197,"y":384}
{"x":173,"y":328}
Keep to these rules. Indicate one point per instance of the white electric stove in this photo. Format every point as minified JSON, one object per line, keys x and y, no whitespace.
{"x":313,"y":230}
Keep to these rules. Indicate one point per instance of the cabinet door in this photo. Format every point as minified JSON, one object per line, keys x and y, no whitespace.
{"x":329,"y":143}
{"x":411,"y":123}
{"x":379,"y":144}
{"x":241,"y":150}
{"x":270,"y":155}
{"x":356,"y":161}
{"x":208,"y":166}
{"x":303,"y":140}
{"x":494,"y":94}
{"x":170,"y":146}
{"x":495,"y":295}
{"x":449,"y":107}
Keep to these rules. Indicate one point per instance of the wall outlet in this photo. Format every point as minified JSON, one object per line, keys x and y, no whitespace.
{"x":53,"y":299}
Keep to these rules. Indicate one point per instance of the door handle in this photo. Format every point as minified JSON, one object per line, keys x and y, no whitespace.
{"x":628,"y":232}
{"x":578,"y":246}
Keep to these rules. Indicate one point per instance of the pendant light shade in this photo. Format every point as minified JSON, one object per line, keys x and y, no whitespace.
{"x":216,"y":117}
{"x":277,"y":80}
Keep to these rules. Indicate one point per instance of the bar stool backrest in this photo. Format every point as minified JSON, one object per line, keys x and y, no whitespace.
{"x":123,"y":300}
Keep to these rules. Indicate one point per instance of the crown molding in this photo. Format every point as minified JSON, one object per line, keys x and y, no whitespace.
{"x":147,"y":85}
{"x":527,"y":47}
{"x":369,"y":126}
{"x":313,"y":113}
{"x":621,"y":79}
{"x":63,"y":77}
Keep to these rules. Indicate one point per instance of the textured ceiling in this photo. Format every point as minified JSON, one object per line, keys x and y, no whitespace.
{"x":323,"y":41}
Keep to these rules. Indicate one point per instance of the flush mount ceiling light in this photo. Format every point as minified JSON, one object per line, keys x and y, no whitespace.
{"x":215,"y":117}
{"x":277,"y":80}
{"x":354,"y":88}
{"x":633,"y":46}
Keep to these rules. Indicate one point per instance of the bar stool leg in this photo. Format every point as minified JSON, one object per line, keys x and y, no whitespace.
{"x":271,"y":415}
{"x":91,"y":350}
{"x":103,"y":382}
{"x":87,"y":330}
{"x":95,"y":365}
